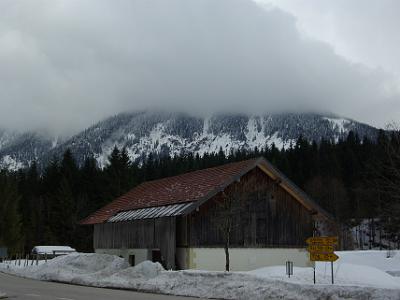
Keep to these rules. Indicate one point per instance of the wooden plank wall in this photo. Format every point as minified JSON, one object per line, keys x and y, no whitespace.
{"x":269,"y":217}
{"x":139,"y":234}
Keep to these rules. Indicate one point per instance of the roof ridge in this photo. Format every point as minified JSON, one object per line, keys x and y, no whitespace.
{"x":204,"y":169}
{"x":187,"y":187}
{"x":196,"y":186}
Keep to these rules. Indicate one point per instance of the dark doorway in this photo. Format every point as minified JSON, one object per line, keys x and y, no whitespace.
{"x":156,"y":256}
{"x":132,"y":260}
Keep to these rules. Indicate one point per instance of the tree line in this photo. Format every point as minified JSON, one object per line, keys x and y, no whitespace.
{"x":353,"y":179}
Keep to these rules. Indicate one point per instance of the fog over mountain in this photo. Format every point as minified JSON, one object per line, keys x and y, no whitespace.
{"x":161,"y":133}
{"x":64,"y":65}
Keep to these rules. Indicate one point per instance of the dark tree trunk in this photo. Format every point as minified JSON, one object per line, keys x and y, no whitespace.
{"x":227,"y":260}
{"x":227,"y":243}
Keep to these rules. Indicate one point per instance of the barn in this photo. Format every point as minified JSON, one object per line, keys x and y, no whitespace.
{"x":185,"y":221}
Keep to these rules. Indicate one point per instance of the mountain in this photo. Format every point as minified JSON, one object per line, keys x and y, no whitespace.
{"x":177,"y":133}
{"x":18,"y":150}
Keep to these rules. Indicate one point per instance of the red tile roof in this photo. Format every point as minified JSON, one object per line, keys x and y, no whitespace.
{"x":188,"y":187}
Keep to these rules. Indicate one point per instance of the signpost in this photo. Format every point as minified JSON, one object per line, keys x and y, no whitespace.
{"x":323,"y":240}
{"x":323,"y":257}
{"x":289,"y":268}
{"x":321,"y":249}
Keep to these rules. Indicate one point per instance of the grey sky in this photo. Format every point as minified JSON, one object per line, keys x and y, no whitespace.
{"x":363,"y":31}
{"x":66,"y":64}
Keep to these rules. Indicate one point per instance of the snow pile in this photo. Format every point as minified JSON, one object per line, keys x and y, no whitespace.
{"x":2,"y":295}
{"x":373,"y":258}
{"x":75,"y":268}
{"x":361,"y":268}
{"x":103,"y":270}
{"x":344,"y":274}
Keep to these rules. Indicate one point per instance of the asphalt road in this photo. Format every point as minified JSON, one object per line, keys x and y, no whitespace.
{"x":21,"y":288}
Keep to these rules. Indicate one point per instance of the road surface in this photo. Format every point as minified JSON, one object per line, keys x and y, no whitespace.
{"x":28,"y":289}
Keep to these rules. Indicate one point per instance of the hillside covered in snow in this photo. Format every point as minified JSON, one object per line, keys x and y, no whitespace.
{"x":176,"y":133}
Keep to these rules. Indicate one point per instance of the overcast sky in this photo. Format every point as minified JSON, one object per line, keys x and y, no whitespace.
{"x":65,"y":64}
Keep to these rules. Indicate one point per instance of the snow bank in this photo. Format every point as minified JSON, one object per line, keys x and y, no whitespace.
{"x":76,"y":268}
{"x":344,"y":274}
{"x":361,"y":268}
{"x":103,"y":270}
{"x":373,"y":258}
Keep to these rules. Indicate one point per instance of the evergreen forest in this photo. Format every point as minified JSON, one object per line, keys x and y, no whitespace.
{"x":353,"y":179}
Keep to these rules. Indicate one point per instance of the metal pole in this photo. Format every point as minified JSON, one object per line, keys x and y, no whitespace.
{"x":314,"y":231}
{"x":314,"y":272}
{"x":332,"y":271}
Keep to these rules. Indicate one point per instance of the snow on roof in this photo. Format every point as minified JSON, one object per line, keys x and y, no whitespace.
{"x":52,"y":249}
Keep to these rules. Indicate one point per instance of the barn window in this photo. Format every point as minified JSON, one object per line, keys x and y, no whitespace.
{"x":132,"y":260}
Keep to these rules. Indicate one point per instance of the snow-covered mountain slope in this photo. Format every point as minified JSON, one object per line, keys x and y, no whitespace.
{"x":177,"y":133}
{"x":18,"y":150}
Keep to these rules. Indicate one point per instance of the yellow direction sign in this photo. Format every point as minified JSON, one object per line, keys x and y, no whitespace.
{"x":323,"y":257}
{"x":320,"y":248}
{"x":322,"y":240}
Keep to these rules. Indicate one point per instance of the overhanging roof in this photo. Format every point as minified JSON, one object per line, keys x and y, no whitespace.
{"x":195,"y":188}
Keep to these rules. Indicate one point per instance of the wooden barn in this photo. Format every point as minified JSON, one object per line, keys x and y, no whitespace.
{"x":181,"y":221}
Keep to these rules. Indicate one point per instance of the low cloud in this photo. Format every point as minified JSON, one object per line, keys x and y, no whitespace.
{"x":66,"y":64}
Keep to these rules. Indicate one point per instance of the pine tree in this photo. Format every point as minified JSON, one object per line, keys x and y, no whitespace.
{"x":64,"y":218}
{"x":10,"y":219}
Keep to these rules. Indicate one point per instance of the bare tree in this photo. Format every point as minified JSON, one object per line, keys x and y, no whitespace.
{"x":229,"y":207}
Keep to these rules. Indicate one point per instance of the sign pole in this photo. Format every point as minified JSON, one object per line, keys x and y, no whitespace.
{"x":314,"y":272}
{"x":321,"y":248}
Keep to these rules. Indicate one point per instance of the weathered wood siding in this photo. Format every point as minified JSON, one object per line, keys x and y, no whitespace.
{"x":139,"y":234}
{"x":268,"y":217}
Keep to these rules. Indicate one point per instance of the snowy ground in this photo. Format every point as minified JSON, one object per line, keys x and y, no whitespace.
{"x":358,"y":275}
{"x":361,"y":268}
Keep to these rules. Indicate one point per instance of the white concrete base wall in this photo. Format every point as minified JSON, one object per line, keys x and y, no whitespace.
{"x":140,"y":254}
{"x":242,"y":259}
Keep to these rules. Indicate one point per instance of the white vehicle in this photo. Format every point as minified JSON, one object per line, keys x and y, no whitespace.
{"x":52,"y":250}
